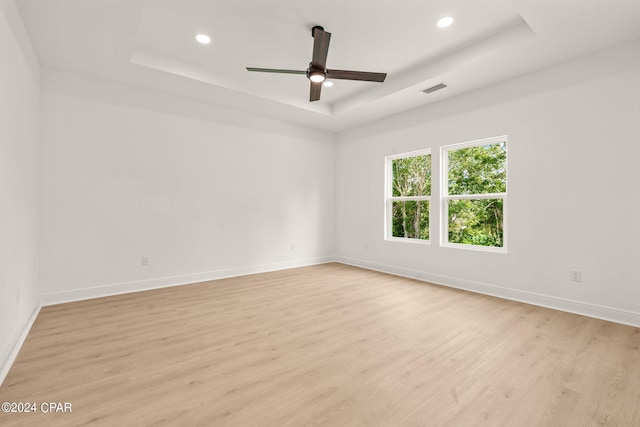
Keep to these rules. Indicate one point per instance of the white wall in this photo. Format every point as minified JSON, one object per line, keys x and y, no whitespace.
{"x":574,"y":170}
{"x":200,"y":198}
{"x":19,"y":97}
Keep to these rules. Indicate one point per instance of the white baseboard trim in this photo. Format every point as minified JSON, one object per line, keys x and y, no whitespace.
{"x":164,"y":282}
{"x":11,"y":355}
{"x":586,"y":309}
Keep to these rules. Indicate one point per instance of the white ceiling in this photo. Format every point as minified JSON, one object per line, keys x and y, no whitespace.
{"x":150,"y":44}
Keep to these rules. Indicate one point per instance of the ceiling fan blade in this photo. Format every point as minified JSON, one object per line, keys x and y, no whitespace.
{"x":356,"y":75}
{"x":274,"y":70}
{"x":314,"y":94}
{"x":321,"y":41}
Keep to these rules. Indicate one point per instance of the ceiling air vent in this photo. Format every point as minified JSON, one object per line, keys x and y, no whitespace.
{"x":435,"y":88}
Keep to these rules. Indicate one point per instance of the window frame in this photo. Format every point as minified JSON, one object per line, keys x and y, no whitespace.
{"x":445,"y":197}
{"x":389,"y":198}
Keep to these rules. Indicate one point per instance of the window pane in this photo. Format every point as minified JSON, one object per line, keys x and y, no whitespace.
{"x":478,"y":170}
{"x":412,"y":176}
{"x":476,"y":222}
{"x":410,"y":219}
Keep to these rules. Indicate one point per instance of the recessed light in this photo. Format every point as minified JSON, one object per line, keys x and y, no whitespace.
{"x":327,"y":83}
{"x":203,"y":38}
{"x":444,"y":22}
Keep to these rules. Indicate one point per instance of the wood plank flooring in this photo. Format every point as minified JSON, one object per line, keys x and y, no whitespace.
{"x":328,"y":345}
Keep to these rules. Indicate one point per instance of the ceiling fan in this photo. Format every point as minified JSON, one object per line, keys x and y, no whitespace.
{"x":318,"y":72}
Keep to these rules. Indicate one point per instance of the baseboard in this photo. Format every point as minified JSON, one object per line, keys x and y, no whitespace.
{"x":586,"y":309}
{"x":164,"y":282}
{"x":11,"y":355}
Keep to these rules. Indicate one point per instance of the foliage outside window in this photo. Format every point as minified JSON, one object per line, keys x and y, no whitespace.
{"x":474,"y":194}
{"x":408,"y":196}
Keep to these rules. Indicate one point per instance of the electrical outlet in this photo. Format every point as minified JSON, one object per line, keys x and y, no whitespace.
{"x":576,"y":276}
{"x":17,"y":295}
{"x":145,"y":260}
{"x":293,"y":246}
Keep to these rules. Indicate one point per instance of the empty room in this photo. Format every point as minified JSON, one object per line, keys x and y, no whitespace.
{"x":334,"y":213}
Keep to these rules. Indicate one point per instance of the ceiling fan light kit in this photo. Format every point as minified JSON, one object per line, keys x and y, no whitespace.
{"x":317,"y":71}
{"x":316,"y":76}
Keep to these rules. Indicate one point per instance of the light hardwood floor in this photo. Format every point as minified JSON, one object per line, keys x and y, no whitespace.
{"x":328,"y":345}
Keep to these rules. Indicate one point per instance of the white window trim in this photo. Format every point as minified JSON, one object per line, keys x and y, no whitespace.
{"x":389,"y":199}
{"x":445,"y":197}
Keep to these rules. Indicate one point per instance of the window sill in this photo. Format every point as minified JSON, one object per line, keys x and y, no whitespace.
{"x":478,"y":248}
{"x":408,"y":240}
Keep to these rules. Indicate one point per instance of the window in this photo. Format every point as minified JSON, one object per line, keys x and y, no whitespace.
{"x":474,"y":194}
{"x":408,"y":196}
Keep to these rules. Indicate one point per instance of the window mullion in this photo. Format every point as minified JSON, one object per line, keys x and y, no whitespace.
{"x":409,"y":198}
